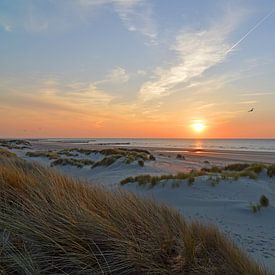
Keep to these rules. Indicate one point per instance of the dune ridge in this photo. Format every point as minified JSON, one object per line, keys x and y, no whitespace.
{"x":50,"y":223}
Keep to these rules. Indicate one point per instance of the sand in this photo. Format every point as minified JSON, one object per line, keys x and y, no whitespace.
{"x":227,"y":205}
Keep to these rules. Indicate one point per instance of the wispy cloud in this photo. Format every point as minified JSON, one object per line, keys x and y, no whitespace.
{"x":136,"y":15}
{"x":55,"y":97}
{"x":206,"y":106}
{"x":197,"y":51}
{"x":248,"y":102}
{"x":117,"y":75}
{"x":258,"y":94}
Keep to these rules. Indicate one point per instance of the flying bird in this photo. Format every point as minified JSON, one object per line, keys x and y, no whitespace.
{"x":251,"y":110}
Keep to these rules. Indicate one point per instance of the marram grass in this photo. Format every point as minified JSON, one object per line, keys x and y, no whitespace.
{"x":52,"y":224}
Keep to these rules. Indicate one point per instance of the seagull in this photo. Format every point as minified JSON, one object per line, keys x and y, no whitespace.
{"x":251,"y":110}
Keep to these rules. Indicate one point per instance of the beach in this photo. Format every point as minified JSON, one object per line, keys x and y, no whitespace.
{"x":226,"y":202}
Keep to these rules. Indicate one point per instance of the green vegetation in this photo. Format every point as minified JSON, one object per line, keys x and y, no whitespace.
{"x":72,"y":161}
{"x":214,"y":180}
{"x":215,"y":173}
{"x":191,"y":180}
{"x":238,"y":170}
{"x":129,"y":155}
{"x":263,"y":202}
{"x":43,"y":154}
{"x":107,"y":161}
{"x":236,"y":167}
{"x":255,"y":208}
{"x":15,"y":143}
{"x":125,"y":152}
{"x":151,"y":181}
{"x":179,"y":156}
{"x":248,"y":170}
{"x":6,"y":153}
{"x":67,"y":153}
{"x":213,"y":169}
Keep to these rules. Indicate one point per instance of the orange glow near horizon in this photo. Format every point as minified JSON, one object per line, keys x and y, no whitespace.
{"x":113,"y":122}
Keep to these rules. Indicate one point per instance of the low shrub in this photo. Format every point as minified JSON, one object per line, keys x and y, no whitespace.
{"x":213,"y":169}
{"x":255,"y":208}
{"x":214,"y":180}
{"x":248,"y":173}
{"x":264,"y":201}
{"x":179,"y":156}
{"x":190,"y":180}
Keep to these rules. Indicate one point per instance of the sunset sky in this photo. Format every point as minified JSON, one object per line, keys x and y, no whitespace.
{"x":137,"y":68}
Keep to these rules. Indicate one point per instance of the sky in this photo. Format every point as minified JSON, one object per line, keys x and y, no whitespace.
{"x":137,"y":68}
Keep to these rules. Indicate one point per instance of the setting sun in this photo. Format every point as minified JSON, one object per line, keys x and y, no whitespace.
{"x":198,"y":126}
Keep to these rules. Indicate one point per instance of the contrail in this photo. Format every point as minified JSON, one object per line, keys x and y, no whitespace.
{"x":251,"y":30}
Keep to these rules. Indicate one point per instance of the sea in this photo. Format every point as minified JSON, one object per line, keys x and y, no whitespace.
{"x":259,"y":145}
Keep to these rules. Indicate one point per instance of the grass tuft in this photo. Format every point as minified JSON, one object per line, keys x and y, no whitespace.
{"x":43,"y":154}
{"x":236,"y":167}
{"x":107,"y":161}
{"x":179,"y":156}
{"x":6,"y":153}
{"x":111,"y":155}
{"x":71,"y":161}
{"x":15,"y":143}
{"x":264,"y":201}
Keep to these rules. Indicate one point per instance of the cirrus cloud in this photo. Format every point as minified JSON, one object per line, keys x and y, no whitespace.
{"x":197,"y":51}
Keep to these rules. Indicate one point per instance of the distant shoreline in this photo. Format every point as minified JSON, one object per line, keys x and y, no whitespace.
{"x":217,"y":154}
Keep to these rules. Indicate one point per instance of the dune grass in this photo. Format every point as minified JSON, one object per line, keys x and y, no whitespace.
{"x":135,"y":154}
{"x":111,"y":155}
{"x":15,"y":143}
{"x":52,"y":224}
{"x":80,"y":163}
{"x":263,"y":203}
{"x":107,"y":161}
{"x":43,"y":154}
{"x":151,"y":181}
{"x":215,"y":174}
{"x":6,"y":153}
